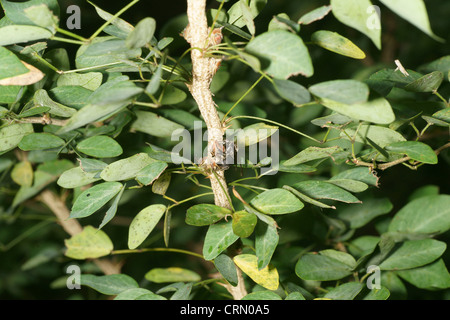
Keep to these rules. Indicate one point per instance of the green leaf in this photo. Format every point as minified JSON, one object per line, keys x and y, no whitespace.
{"x":425,"y":215}
{"x":22,"y":174}
{"x":415,"y":12}
{"x":161,"y":184}
{"x":77,"y":177}
{"x":172,"y":95}
{"x":295,"y":296}
{"x":385,"y":80}
{"x":154,"y":83}
{"x":350,"y":185}
{"x":15,"y":11}
{"x":361,"y":174}
{"x":42,"y":99}
{"x":89,"y":244}
{"x":38,"y":141}
{"x":312,"y":153}
{"x":183,"y":292}
{"x":100,"y":147}
{"x":307,"y":199}
{"x":236,"y":16}
{"x":428,"y":83}
{"x":283,"y":22}
{"x":321,"y":267}
{"x":292,"y":91}
{"x":416,"y":150}
{"x":325,"y":190}
{"x":113,"y":91}
{"x":340,"y":256}
{"x":225,"y":265}
{"x":91,"y":113}
{"x":9,"y":94}
{"x":10,"y":64}
{"x":143,"y":224}
{"x":10,"y":136}
{"x":161,"y":275}
{"x":378,"y":294}
{"x":266,"y":241}
{"x":89,"y":80}
{"x":394,"y":284}
{"x":121,"y":25}
{"x":414,"y":253}
{"x":346,"y":291}
{"x":72,"y":96}
{"x":360,"y":214}
{"x":314,"y":15}
{"x":378,"y":111}
{"x":266,"y":277}
{"x":247,"y":16}
{"x":154,"y":125}
{"x":151,"y":172}
{"x":142,"y":33}
{"x":261,"y":216}
{"x":244,"y":223}
{"x":282,"y":53}
{"x":92,"y":165}
{"x":276,"y":201}
{"x":205,"y":214}
{"x":441,"y":64}
{"x":336,"y":43}
{"x":42,"y":16}
{"x":112,"y":209}
{"x":138,"y":294}
{"x":218,"y":238}
{"x":112,"y":284}
{"x":343,"y":91}
{"x":443,"y":115}
{"x":382,"y":136}
{"x":355,"y":14}
{"x":363,"y":245}
{"x":33,"y":111}
{"x":431,"y":276}
{"x":262,"y":295}
{"x":255,"y":133}
{"x":18,"y":34}
{"x":103,"y":51}
{"x":427,"y":190}
{"x":94,"y":198}
{"x":48,"y":253}
{"x":127,"y":168}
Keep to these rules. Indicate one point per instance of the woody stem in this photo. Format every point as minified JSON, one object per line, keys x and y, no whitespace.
{"x":203,"y":69}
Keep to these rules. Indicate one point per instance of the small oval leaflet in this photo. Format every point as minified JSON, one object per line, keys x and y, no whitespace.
{"x":144,"y":222}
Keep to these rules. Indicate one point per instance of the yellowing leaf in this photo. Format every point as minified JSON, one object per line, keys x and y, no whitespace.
{"x":266,"y":277}
{"x":22,"y":174}
{"x":88,"y":244}
{"x":33,"y":76}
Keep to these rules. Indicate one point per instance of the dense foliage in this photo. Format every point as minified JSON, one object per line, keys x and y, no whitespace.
{"x":352,"y":99}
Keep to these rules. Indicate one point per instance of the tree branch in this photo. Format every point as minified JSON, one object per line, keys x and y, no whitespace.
{"x":73,"y":227}
{"x":204,"y":67}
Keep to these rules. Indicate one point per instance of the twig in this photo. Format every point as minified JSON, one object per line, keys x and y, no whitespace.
{"x":73,"y":227}
{"x":387,"y":165}
{"x":43,"y":120}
